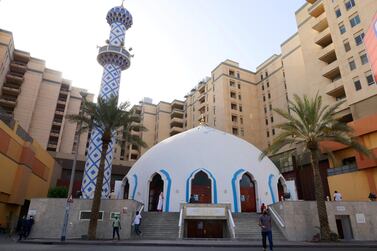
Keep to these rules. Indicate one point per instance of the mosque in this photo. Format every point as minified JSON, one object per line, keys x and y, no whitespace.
{"x":207,"y":166}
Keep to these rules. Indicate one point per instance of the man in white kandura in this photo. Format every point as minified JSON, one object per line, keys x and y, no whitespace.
{"x":160,"y":202}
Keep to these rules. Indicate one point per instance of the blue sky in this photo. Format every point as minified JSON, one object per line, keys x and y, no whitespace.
{"x":176,"y":42}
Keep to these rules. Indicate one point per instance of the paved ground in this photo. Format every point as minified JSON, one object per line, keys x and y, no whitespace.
{"x":39,"y":247}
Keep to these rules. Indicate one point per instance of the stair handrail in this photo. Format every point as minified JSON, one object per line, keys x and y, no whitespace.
{"x":141,"y":209}
{"x":232,"y":225}
{"x":180,"y":224}
{"x":277,"y":217}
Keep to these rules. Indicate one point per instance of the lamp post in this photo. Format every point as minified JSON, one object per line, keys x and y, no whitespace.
{"x":68,"y":202}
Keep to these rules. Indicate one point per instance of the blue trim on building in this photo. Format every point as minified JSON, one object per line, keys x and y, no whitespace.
{"x":214,"y":184}
{"x":167,"y":200}
{"x":135,"y":186}
{"x":270,"y":187}
{"x":234,"y":189}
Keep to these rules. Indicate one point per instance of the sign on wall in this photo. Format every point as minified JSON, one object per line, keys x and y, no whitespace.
{"x":205,"y":211}
{"x":360,"y":218}
{"x":370,"y":42}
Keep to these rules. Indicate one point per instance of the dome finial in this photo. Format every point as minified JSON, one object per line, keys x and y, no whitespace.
{"x":122,"y":3}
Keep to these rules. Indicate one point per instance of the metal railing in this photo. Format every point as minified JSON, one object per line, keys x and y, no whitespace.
{"x":232,"y":226}
{"x":180,"y":225}
{"x":277,"y":217}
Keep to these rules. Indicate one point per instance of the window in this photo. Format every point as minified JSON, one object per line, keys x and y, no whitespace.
{"x":238,"y":75}
{"x":241,"y":120}
{"x":347,"y":46}
{"x":234,"y":118}
{"x":233,"y":106}
{"x":355,"y":20}
{"x":239,"y":86}
{"x":266,"y":121}
{"x":363,"y":57}
{"x":239,"y":96}
{"x":233,"y":95}
{"x":359,"y":38}
{"x":357,"y":84}
{"x":272,"y":119}
{"x":273,"y":131}
{"x":342,"y":28}
{"x":270,"y":106}
{"x":232,"y":83}
{"x":266,"y":74}
{"x":264,"y":98}
{"x":235,"y":131}
{"x":240,"y":108}
{"x":242,"y":132}
{"x":268,"y":84}
{"x":269,"y":95}
{"x":337,"y":12}
{"x":350,"y":4}
{"x":352,"y":63}
{"x":370,"y":78}
{"x":231,"y":73}
{"x":262,"y":87}
{"x":265,"y":110}
{"x":261,"y":77}
{"x":268,"y":134}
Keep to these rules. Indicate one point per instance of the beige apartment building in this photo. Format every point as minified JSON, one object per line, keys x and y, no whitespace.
{"x":39,"y":98}
{"x":326,"y":56}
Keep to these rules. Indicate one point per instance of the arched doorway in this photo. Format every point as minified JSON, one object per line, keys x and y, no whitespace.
{"x":156,"y":186}
{"x":126,"y":190}
{"x":201,"y":188}
{"x":247,"y":194}
{"x":281,"y":189}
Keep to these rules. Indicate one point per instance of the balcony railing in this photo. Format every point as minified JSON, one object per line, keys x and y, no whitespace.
{"x":17,"y":67}
{"x":323,"y":38}
{"x":342,"y":169}
{"x":316,"y":9}
{"x":15,"y":79}
{"x":328,"y":54}
{"x":320,"y":23}
{"x":334,"y":88}
{"x":331,"y":71}
{"x":10,"y":90}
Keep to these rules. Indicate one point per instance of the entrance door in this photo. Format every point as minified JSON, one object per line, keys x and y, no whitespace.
{"x":126,"y":190}
{"x":205,"y":228}
{"x":280,"y":190}
{"x":201,"y":188}
{"x":247,"y":194}
{"x":343,"y":225}
{"x":156,"y":186}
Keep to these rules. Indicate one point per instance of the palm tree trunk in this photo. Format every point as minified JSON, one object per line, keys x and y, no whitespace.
{"x":320,"y":197}
{"x":98,"y":191}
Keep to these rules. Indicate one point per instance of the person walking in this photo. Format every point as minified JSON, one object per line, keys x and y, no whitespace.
{"x":337,"y":196}
{"x":137,"y":222}
{"x":29,"y":225}
{"x":266,"y":224}
{"x":160,"y":203}
{"x":22,"y":228}
{"x":116,"y":226}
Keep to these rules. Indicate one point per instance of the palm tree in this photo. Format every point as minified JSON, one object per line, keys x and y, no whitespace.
{"x":308,"y":123}
{"x":108,"y":118}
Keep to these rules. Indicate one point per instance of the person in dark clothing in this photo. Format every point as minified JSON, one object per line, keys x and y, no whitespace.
{"x":266,"y":224}
{"x":192,"y":199}
{"x":29,"y":225}
{"x":22,"y":228}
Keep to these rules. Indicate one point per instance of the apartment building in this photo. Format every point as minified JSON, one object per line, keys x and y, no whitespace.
{"x":39,"y":99}
{"x":326,"y":56}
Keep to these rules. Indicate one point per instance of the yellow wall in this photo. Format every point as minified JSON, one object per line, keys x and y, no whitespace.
{"x":25,"y":172}
{"x":353,"y":186}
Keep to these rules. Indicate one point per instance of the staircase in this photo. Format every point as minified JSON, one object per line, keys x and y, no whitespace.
{"x":247,"y":227}
{"x":159,"y":226}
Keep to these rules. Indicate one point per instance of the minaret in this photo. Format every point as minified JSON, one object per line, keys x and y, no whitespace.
{"x":114,"y":59}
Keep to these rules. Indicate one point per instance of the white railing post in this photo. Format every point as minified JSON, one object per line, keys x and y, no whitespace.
{"x":277,"y":217}
{"x":232,"y":226}
{"x":180,"y":230}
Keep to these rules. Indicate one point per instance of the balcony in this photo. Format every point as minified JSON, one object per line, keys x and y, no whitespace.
{"x":331,"y":71}
{"x":175,"y":130}
{"x":316,"y":9}
{"x":328,"y":54}
{"x":201,"y":87}
{"x":320,"y":23}
{"x":11,"y":90}
{"x":14,"y":79}
{"x":52,"y":145}
{"x":176,"y":121}
{"x":64,"y":92}
{"x":175,"y":113}
{"x":342,"y":169}
{"x":61,"y":102}
{"x":311,"y":1}
{"x":176,"y":104}
{"x":57,"y":122}
{"x":21,"y":56}
{"x":324,"y":38}
{"x":335,"y":88}
{"x":8,"y":101}
{"x":18,"y":68}
{"x":54,"y":133}
{"x":134,"y":151}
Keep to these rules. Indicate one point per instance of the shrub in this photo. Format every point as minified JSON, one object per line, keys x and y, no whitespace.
{"x":58,"y":192}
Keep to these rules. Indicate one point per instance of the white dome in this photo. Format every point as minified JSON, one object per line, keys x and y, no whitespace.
{"x":222,"y":156}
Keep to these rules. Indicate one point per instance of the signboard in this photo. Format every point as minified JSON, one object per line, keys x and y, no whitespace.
{"x":113,"y":214}
{"x":360,"y":218}
{"x":205,"y":211}
{"x":370,"y":42}
{"x":32,"y":212}
{"x":340,"y":208}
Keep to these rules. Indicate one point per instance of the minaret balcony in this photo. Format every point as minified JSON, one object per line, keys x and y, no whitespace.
{"x":114,"y":55}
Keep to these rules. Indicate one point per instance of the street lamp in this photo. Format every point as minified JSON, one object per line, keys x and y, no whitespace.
{"x":68,"y":202}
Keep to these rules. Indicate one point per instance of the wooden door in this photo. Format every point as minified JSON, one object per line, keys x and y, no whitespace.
{"x":247,"y":194}
{"x":201,"y":188}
